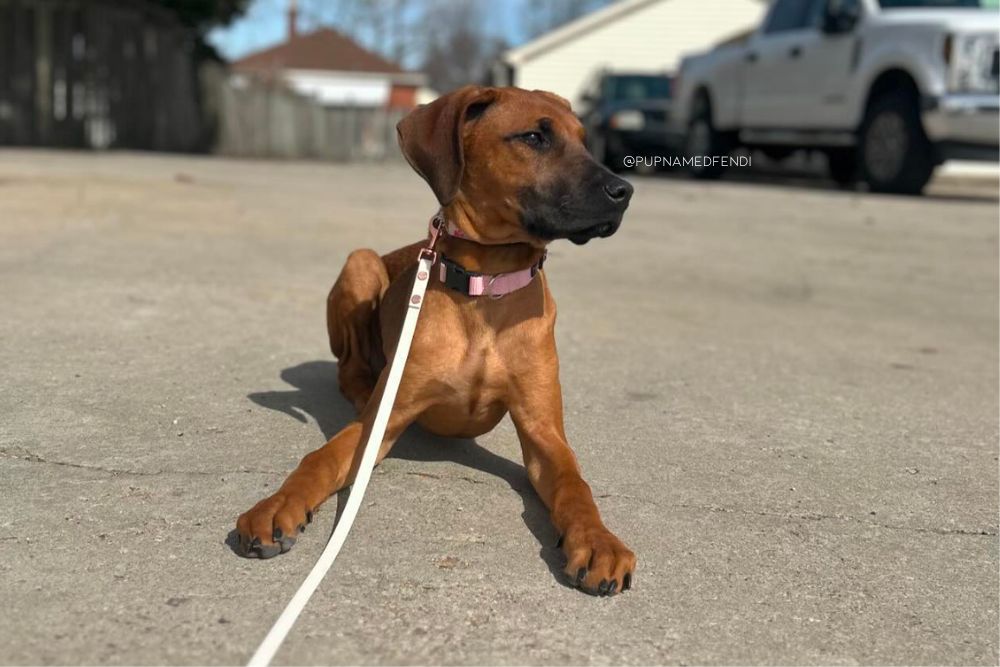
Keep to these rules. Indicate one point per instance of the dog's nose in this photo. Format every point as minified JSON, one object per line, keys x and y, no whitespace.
{"x":618,"y":190}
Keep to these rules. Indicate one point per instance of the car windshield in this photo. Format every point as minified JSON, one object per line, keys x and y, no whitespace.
{"x":939,"y":4}
{"x":635,"y":88}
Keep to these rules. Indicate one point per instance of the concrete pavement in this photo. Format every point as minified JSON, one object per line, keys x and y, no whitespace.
{"x":784,"y":397}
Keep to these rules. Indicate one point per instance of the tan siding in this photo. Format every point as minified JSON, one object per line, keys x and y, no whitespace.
{"x":652,"y":39}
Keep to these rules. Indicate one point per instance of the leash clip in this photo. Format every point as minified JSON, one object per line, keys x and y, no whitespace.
{"x":436,"y":230}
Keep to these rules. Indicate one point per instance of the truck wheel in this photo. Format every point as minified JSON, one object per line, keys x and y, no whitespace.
{"x":842,"y":164}
{"x":896,"y":155}
{"x":598,"y":146}
{"x":777,"y":153}
{"x":704,"y":140}
{"x":603,"y":153}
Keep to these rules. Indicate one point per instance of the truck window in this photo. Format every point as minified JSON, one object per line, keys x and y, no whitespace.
{"x":632,"y":88}
{"x":793,"y":15}
{"x":821,"y":9}
{"x":938,"y":4}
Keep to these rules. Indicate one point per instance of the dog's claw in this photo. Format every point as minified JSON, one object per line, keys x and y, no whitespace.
{"x":309,"y":516}
{"x":603,"y":573}
{"x":627,"y":581}
{"x":253,"y":548}
{"x":273,"y":525}
{"x":244,"y":545}
{"x":269,"y":550}
{"x":559,"y":542}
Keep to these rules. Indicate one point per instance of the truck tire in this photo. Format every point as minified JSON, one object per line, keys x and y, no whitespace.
{"x":704,"y":140}
{"x":603,"y":153}
{"x":842,"y":164}
{"x":895,"y":154}
{"x":777,"y":153}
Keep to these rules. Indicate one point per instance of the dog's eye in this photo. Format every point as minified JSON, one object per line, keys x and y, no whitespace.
{"x":534,"y":139}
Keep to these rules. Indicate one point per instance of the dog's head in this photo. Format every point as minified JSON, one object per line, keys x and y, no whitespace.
{"x":512,"y":165}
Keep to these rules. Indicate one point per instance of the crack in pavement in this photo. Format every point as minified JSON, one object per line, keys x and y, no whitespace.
{"x":22,"y":454}
{"x":819,"y":516}
{"x":460,"y":478}
{"x":807,"y":516}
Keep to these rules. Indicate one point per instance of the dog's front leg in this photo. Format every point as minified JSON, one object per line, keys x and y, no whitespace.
{"x":596,"y":560}
{"x":271,"y":526}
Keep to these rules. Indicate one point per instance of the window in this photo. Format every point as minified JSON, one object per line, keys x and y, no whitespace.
{"x":794,"y":15}
{"x":633,"y":88}
{"x":839,"y":6}
{"x":938,"y":4}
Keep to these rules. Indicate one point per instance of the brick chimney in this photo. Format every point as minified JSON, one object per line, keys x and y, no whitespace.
{"x":293,"y":20}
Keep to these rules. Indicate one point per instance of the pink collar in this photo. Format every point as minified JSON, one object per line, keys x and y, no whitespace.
{"x":470,"y":283}
{"x":451,"y":229}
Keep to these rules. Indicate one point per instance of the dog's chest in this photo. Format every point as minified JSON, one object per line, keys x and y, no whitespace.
{"x":471,"y":381}
{"x":468,"y":353}
{"x":474,"y":399}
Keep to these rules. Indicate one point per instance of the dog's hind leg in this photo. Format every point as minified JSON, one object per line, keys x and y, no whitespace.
{"x":352,"y":317}
{"x":352,"y":323}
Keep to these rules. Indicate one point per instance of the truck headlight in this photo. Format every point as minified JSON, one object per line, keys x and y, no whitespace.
{"x":971,"y":60}
{"x":628,"y":120}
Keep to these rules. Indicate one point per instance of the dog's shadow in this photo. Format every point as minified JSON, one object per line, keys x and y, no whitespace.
{"x":317,"y":394}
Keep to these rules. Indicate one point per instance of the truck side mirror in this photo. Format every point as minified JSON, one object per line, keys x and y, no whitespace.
{"x":841,"y":16}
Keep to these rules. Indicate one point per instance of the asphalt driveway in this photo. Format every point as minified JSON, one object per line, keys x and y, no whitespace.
{"x":785,"y":398}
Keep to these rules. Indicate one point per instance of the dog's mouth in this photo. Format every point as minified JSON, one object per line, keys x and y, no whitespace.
{"x":602,"y":230}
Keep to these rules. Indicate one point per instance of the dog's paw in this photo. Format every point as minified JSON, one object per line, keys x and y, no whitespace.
{"x":596,"y":561}
{"x":270,"y":527}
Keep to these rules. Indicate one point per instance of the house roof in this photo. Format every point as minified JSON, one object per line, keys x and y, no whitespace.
{"x":324,"y":49}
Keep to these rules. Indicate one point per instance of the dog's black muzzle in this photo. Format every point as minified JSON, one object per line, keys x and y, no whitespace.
{"x":591,"y":208}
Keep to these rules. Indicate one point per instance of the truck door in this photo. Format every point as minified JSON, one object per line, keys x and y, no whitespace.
{"x":776,"y":81}
{"x":827,"y":60}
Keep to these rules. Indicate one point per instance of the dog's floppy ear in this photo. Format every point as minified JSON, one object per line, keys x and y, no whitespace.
{"x":430,"y":137}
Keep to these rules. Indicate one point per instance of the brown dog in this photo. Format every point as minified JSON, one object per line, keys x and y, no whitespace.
{"x":512,"y":174}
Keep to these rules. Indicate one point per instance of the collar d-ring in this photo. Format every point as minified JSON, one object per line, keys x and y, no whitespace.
{"x":489,"y":288}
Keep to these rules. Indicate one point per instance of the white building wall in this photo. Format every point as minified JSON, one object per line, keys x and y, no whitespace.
{"x":653,"y":38}
{"x":340,"y":89}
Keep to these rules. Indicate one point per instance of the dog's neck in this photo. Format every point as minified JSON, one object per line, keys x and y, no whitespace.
{"x":491,"y":258}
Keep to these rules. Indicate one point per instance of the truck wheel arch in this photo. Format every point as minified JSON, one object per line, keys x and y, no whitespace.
{"x":904,"y":162}
{"x":894,"y":78}
{"x":703,"y":139}
{"x":702,"y":95}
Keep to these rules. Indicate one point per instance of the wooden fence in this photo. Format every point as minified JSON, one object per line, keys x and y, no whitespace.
{"x":259,"y":119}
{"x":98,"y":74}
{"x":124,"y":74}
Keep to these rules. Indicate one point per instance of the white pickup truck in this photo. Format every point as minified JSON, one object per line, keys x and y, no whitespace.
{"x":888,"y":89}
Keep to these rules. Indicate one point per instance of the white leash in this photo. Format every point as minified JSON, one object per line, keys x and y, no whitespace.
{"x":272,"y":642}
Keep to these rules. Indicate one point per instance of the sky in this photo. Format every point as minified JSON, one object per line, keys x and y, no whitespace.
{"x":265,"y":24}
